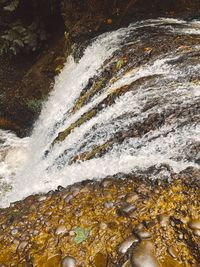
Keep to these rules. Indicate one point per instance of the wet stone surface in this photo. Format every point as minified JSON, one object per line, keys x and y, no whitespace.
{"x":50,"y":234}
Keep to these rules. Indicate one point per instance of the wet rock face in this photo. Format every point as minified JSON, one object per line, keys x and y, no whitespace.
{"x":49,"y":231}
{"x":144,"y":101}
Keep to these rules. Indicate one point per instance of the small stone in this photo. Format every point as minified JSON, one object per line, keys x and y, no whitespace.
{"x":195,"y":224}
{"x":71,"y":233}
{"x":108,"y":204}
{"x":127,"y":264}
{"x":16,"y":242}
{"x":172,"y":252}
{"x":100,"y":260}
{"x":144,"y":234}
{"x":172,"y":223}
{"x":68,"y":198}
{"x":68,"y":261}
{"x":78,"y":213}
{"x":106,"y":183}
{"x":61,"y":221}
{"x":22,"y":245}
{"x":51,"y":193}
{"x":123,"y":247}
{"x":85,"y":190}
{"x":48,"y":223}
{"x":197,"y":232}
{"x":132,"y":198}
{"x":76,"y":191}
{"x":42,"y":198}
{"x":35,"y":232}
{"x":60,"y":188}
{"x":14,"y":231}
{"x":128,"y":209}
{"x":144,"y":255}
{"x":61,"y":230}
{"x":103,"y":226}
{"x":164,"y":220}
{"x":181,"y":236}
{"x":185,"y":220}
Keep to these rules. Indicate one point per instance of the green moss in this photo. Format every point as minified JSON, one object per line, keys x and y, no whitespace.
{"x":120,"y":63}
{"x":91,"y":154}
{"x":84,"y":98}
{"x":61,"y":136}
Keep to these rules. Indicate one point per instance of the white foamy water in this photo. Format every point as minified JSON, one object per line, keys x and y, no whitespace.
{"x":25,"y":168}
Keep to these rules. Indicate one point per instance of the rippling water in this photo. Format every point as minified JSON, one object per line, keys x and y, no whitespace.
{"x":132,"y":102}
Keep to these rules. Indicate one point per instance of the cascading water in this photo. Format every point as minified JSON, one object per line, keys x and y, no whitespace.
{"x":117,"y":110}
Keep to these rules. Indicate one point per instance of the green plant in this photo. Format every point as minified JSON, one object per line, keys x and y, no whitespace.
{"x":74,"y":52}
{"x":35,"y":105}
{"x":24,"y":24}
{"x":18,"y":36}
{"x":11,"y":6}
{"x":119,"y":64}
{"x":81,"y":234}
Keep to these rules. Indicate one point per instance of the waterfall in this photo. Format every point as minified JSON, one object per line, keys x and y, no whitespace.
{"x":98,"y":123}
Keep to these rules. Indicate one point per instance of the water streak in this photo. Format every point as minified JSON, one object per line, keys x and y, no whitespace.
{"x":147,"y":114}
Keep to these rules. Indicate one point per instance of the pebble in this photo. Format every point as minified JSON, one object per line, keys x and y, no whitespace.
{"x":14,"y":231}
{"x":85,"y":190}
{"x":78,"y":213}
{"x":108,"y":204}
{"x":71,"y":233}
{"x":144,"y":255}
{"x":61,"y":221}
{"x":16,"y":242}
{"x":68,"y":198}
{"x":181,"y":236}
{"x":48,"y":223}
{"x":61,"y":230}
{"x":42,"y":198}
{"x":124,"y":246}
{"x":144,"y":234}
{"x":185,"y":220}
{"x":195,"y":224}
{"x":197,"y":232}
{"x":164,"y":220}
{"x":35,"y":232}
{"x":76,"y":191}
{"x":132,"y":198}
{"x":129,"y":208}
{"x":22,"y":245}
{"x":51,"y":193}
{"x":103,"y":226}
{"x":127,"y":264}
{"x":68,"y":261}
{"x":106,"y":183}
{"x":60,"y":188}
{"x":172,"y":252}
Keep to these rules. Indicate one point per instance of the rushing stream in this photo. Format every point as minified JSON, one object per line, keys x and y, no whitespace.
{"x":131,"y":102}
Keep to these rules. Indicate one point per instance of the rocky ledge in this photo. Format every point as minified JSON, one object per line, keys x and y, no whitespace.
{"x":126,"y":220}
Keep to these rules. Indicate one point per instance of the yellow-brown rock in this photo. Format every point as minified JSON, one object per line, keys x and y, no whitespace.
{"x":168,"y":212}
